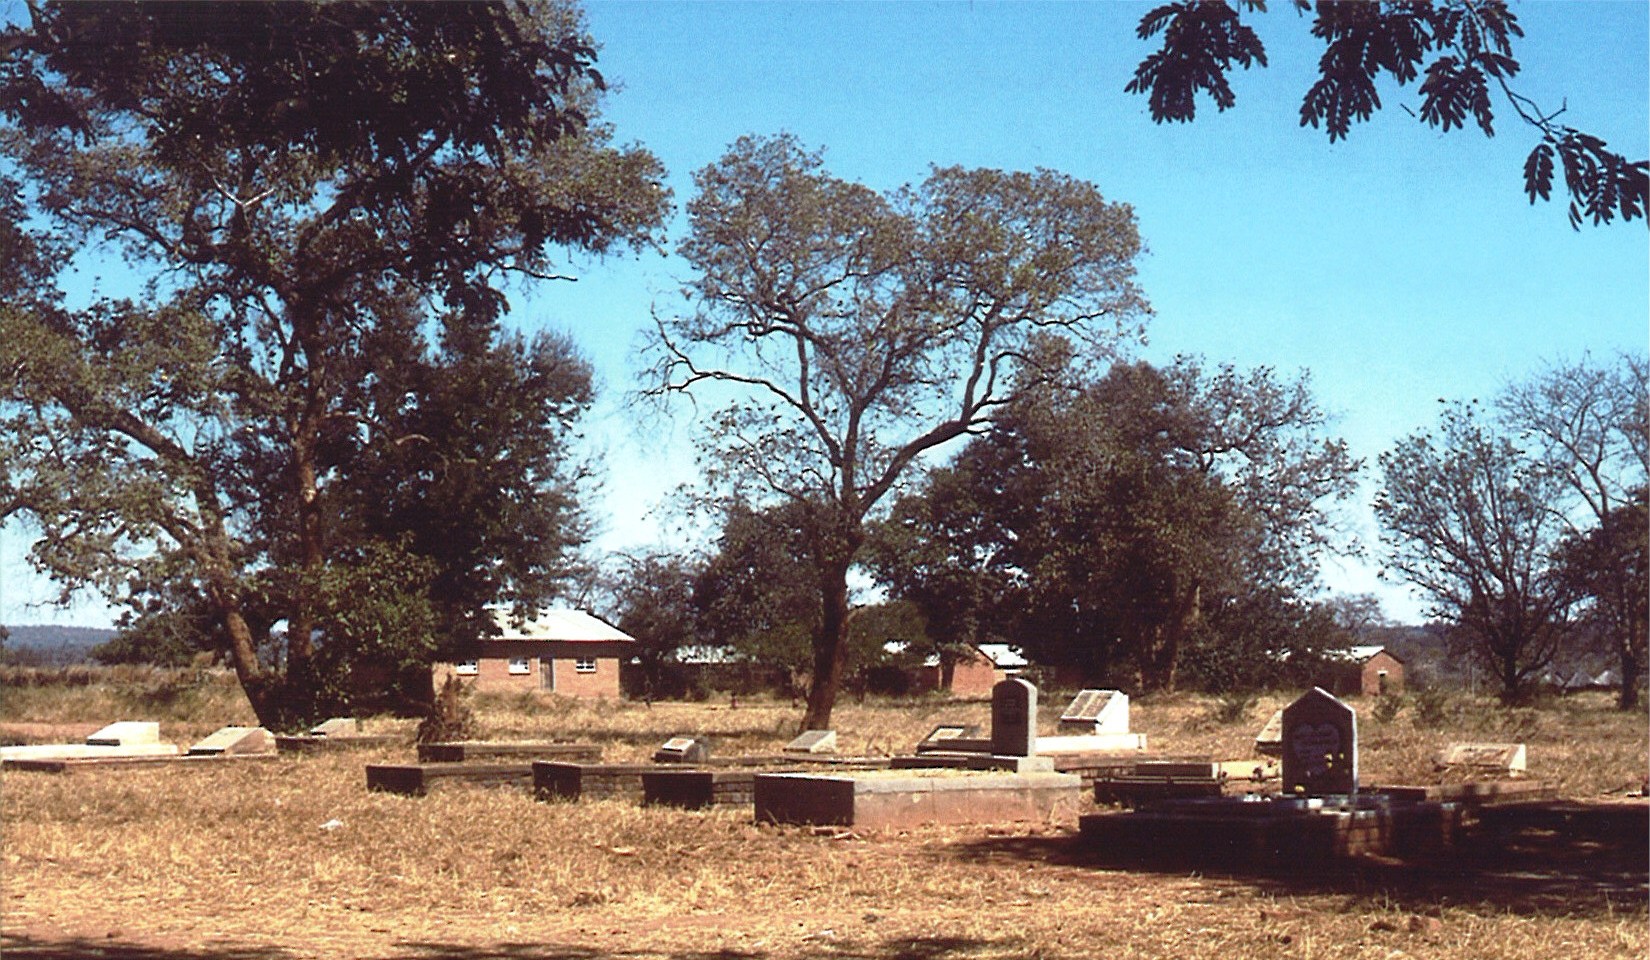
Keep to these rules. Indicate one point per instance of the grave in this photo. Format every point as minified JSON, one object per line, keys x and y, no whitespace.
{"x":122,"y":739}
{"x":336,"y":727}
{"x":557,"y":780}
{"x":683,"y":750}
{"x":1014,"y":718}
{"x":1321,"y":816}
{"x":1506,"y":759}
{"x":813,"y":741}
{"x":235,"y":742}
{"x":893,"y":801}
{"x":461,"y":751}
{"x":954,"y":737}
{"x":418,"y":779}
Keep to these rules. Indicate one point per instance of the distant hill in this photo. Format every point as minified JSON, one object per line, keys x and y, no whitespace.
{"x":49,"y":645}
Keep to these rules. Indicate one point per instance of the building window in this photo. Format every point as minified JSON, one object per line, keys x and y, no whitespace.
{"x":520,"y":666}
{"x":585,"y":665}
{"x":467,"y":668}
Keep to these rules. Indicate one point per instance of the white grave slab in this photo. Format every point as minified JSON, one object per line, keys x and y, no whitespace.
{"x":1091,"y":743}
{"x":1508,"y":758}
{"x":235,"y":742}
{"x":86,"y":751}
{"x":1096,"y":711}
{"x":126,"y":733}
{"x":336,"y":727}
{"x":813,"y":741}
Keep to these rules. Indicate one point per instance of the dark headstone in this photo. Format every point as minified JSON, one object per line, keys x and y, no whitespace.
{"x":1320,"y":746}
{"x":683,"y":750}
{"x":1014,"y":718}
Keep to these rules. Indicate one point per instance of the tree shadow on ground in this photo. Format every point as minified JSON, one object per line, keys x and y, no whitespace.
{"x":920,"y":948}
{"x":1543,"y":873}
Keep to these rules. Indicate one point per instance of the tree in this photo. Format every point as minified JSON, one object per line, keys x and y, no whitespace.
{"x":1604,"y":571}
{"x":1470,"y":47}
{"x":844,"y":334}
{"x":1471,"y":523}
{"x":1589,"y":424}
{"x":1113,"y":520}
{"x":653,"y":599}
{"x":306,"y":190}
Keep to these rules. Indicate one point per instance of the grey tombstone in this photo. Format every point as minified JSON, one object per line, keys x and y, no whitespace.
{"x":813,"y":741}
{"x":1014,"y":718}
{"x":1502,"y":758}
{"x":683,"y":750}
{"x":1320,"y":746}
{"x":126,"y":733}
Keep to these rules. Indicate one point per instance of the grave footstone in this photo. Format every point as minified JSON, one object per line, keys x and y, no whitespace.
{"x":1505,"y":758}
{"x":336,"y":727}
{"x":126,"y":733}
{"x":683,"y":750}
{"x":1320,"y":746}
{"x":1014,"y":718}
{"x":235,"y":742}
{"x":813,"y":741}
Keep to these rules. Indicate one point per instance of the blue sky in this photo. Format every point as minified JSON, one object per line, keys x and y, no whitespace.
{"x":1399,"y":266}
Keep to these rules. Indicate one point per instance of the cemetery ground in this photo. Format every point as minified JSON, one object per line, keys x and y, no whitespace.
{"x":293,"y":857}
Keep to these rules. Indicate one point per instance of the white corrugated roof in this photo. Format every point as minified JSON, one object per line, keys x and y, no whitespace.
{"x":1354,"y":654}
{"x":574,"y":625}
{"x":1002,"y":655}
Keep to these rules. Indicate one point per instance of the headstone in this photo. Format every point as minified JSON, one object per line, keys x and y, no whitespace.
{"x":1014,"y":718}
{"x":813,"y":741}
{"x":126,"y":733}
{"x":336,"y":727}
{"x":1097,"y":711}
{"x":1269,"y":742}
{"x":1320,"y":746}
{"x":683,"y":750}
{"x":235,"y":742}
{"x":1508,"y":758}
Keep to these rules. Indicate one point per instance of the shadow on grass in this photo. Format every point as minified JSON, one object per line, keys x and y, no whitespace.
{"x":1534,"y":872}
{"x":921,"y":948}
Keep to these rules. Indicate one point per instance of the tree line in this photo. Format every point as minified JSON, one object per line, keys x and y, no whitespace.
{"x":311,"y":441}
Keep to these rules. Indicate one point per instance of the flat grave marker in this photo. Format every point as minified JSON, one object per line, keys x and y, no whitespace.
{"x":336,"y":727}
{"x":235,"y":742}
{"x":1507,"y":758}
{"x":683,"y":750}
{"x":126,"y":733}
{"x":1097,"y":711}
{"x":813,"y":741}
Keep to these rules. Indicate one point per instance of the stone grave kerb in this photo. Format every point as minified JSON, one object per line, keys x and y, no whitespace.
{"x":1320,"y":746}
{"x":1014,"y":718}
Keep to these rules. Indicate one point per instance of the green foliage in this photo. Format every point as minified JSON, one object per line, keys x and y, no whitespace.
{"x":1435,"y":708}
{"x":1469,"y":524}
{"x":311,"y":415}
{"x":1233,"y":708}
{"x":450,"y":718}
{"x":847,"y":333}
{"x":1130,"y":522}
{"x":1387,"y":707}
{"x":1464,"y":46}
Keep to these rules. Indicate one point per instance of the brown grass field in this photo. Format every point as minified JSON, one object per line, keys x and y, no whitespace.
{"x":232,"y":862}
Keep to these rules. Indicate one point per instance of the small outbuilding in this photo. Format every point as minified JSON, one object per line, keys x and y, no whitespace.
{"x":1367,"y":670}
{"x":982,"y":667}
{"x":565,"y":652}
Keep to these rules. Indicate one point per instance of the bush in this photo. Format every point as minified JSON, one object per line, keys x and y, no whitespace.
{"x":450,"y":716}
{"x":1387,"y":707}
{"x":1433,"y":708}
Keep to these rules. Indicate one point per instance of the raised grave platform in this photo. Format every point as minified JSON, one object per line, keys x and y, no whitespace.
{"x":316,"y":743}
{"x":464,"y":751}
{"x":888,"y":800}
{"x":418,"y":779}
{"x":170,"y":761}
{"x":559,"y":780}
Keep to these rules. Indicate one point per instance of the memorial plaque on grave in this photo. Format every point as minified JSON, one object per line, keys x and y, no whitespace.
{"x":1014,"y":718}
{"x":683,"y":750}
{"x":1320,"y":746}
{"x":336,"y":727}
{"x":813,"y":741}
{"x":126,"y":733}
{"x":1097,"y":711}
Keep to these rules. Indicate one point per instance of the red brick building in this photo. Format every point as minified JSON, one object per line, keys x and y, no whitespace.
{"x":565,"y":652}
{"x":973,"y":675}
{"x":1369,"y":671}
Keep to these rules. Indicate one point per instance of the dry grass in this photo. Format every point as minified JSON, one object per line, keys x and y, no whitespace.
{"x":293,"y":858}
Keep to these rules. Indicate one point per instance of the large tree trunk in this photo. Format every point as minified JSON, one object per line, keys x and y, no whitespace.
{"x":830,"y":647}
{"x":1160,"y":657}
